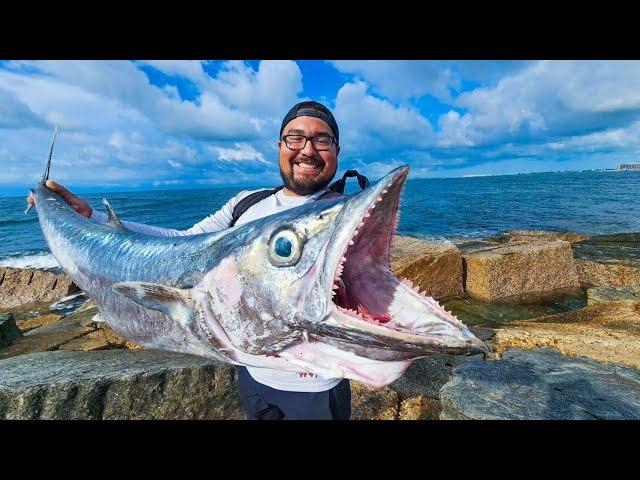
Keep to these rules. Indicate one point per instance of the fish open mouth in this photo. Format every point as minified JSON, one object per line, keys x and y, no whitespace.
{"x":371,"y":300}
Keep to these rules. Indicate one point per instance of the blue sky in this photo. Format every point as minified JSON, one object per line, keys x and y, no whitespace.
{"x":139,"y":125}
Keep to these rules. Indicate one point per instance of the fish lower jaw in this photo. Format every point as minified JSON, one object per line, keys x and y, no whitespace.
{"x":408,"y":320}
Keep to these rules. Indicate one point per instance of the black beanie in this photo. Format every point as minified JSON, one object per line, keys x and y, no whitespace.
{"x":312,"y":109}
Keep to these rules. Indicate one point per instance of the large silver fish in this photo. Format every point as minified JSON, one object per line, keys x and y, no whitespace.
{"x":307,"y":290}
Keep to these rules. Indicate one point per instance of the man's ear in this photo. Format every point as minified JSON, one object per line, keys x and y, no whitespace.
{"x":337,"y":150}
{"x":278,"y":144}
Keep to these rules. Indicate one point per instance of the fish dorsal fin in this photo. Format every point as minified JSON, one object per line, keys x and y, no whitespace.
{"x":113,"y":221}
{"x":174,"y":302}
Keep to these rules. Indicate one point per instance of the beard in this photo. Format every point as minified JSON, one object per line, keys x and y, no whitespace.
{"x":307,"y":184}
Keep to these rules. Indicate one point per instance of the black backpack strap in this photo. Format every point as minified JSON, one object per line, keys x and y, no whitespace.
{"x":249,"y":201}
{"x":338,"y":186}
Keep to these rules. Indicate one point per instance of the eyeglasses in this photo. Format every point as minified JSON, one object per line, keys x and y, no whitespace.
{"x":298,"y":142}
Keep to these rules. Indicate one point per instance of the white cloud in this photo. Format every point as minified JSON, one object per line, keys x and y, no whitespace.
{"x":547,"y":99}
{"x":16,"y":114}
{"x":368,"y":123}
{"x":270,"y":91}
{"x":191,"y":69}
{"x":242,"y":151}
{"x":402,"y":80}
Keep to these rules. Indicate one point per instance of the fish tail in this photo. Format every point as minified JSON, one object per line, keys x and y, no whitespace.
{"x":45,"y":177}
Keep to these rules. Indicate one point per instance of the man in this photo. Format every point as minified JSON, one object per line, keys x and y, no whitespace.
{"x":308,"y":161}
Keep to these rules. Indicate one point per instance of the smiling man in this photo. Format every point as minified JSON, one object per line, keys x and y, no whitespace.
{"x":308,"y":161}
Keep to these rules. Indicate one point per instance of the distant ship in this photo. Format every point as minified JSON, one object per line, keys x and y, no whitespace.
{"x":628,"y":166}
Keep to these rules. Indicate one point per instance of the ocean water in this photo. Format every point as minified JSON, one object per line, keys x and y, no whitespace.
{"x":592,"y":202}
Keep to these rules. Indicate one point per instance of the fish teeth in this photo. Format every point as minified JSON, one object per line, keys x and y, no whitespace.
{"x":351,"y":242}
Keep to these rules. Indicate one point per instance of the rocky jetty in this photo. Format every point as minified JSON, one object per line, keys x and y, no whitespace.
{"x":541,"y":385}
{"x":28,"y":286}
{"x":521,"y":290}
{"x":497,"y":272}
{"x":117,"y":384}
{"x":435,"y":267}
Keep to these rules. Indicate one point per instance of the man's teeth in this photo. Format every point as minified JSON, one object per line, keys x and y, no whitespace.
{"x":306,"y":166}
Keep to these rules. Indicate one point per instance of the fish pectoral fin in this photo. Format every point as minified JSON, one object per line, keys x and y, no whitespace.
{"x":174,"y":302}
{"x":113,"y":220}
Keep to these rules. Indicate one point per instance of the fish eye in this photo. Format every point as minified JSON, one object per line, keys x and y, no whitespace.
{"x":285,"y":248}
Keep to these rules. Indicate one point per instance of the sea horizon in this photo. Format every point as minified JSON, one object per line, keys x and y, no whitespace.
{"x":590,"y":202}
{"x":252,"y":186}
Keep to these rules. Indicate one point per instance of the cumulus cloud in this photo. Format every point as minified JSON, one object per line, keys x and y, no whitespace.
{"x":369,"y":123}
{"x":240,"y":152}
{"x":403,"y":80}
{"x":269,"y":91}
{"x":548,"y":99}
{"x":191,"y":69}
{"x":406,"y":80}
{"x":16,"y":114}
{"x":114,"y":120}
{"x":126,"y":123}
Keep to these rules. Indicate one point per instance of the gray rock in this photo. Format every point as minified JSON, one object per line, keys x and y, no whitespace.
{"x":427,"y":375}
{"x":117,"y":384}
{"x":9,"y":331}
{"x":540,"y":384}
{"x":612,"y":294}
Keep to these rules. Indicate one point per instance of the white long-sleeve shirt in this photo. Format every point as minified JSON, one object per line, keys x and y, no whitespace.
{"x":278,"y":379}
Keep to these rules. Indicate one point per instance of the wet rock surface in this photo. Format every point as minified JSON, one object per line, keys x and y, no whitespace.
{"x":496,"y":272}
{"x":9,"y":331}
{"x":117,"y":384}
{"x":28,"y":286}
{"x":435,"y":267}
{"x":612,"y":294}
{"x":538,"y":235}
{"x":606,"y":332}
{"x":540,"y":385}
{"x":492,"y":314}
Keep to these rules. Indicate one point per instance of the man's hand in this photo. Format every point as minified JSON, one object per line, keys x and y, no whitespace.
{"x":78,"y":204}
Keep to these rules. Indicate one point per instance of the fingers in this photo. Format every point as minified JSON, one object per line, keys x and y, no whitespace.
{"x":31,"y":201}
{"x":56,"y":187}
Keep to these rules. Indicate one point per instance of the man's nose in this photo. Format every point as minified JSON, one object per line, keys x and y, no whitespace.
{"x":308,"y":150}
